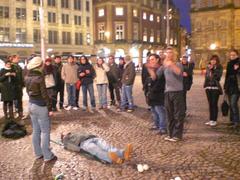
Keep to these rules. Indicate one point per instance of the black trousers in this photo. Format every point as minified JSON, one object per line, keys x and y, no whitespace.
{"x":175,"y":108}
{"x":114,"y":88}
{"x":77,"y":97}
{"x":61,"y":96}
{"x":213,"y":97}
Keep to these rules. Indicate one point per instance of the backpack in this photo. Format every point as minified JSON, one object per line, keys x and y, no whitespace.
{"x":13,"y":130}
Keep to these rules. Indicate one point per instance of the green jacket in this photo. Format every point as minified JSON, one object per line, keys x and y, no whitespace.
{"x":19,"y":79}
{"x":7,"y":85}
{"x":72,"y":141}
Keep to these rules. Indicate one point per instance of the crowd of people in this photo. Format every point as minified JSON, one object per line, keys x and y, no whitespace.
{"x":165,"y":79}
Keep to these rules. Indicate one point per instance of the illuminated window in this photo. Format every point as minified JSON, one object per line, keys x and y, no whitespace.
{"x":151,"y":17}
{"x":135,"y":13}
{"x":144,"y":15}
{"x":158,"y":19}
{"x":145,"y":35}
{"x":119,"y":31}
{"x":4,"y":34}
{"x":101,"y":12}
{"x":101,"y":32}
{"x":152,"y":36}
{"x":119,"y":11}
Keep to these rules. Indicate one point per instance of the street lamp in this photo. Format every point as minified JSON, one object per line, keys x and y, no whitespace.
{"x":168,"y":24}
{"x":213,"y":46}
{"x":41,"y":14}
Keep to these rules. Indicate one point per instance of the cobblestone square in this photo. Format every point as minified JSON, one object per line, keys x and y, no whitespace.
{"x":205,"y":152}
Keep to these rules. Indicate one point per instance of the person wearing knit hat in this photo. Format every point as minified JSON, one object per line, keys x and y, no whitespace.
{"x":40,"y":109}
{"x":34,"y":63}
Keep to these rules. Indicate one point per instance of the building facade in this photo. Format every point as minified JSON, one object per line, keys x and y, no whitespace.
{"x":215,"y":28}
{"x":68,"y":27}
{"x":132,"y":27}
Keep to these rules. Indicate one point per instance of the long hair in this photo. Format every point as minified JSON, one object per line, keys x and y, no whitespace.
{"x":215,"y":57}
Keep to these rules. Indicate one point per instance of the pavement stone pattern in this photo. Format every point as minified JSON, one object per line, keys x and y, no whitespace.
{"x":205,"y":153}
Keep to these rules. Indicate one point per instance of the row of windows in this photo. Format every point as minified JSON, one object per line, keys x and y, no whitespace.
{"x":211,"y":3}
{"x":119,"y":11}
{"x":52,"y":36}
{"x":120,"y":33}
{"x":21,"y":14}
{"x":77,"y":4}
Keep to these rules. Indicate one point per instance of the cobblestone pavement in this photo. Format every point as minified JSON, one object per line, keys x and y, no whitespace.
{"x":205,"y":153}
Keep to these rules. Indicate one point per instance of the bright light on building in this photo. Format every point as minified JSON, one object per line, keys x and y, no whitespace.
{"x":49,"y":50}
{"x":107,"y":34}
{"x":213,"y":46}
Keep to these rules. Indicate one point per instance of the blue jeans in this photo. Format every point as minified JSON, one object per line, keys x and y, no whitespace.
{"x":100,"y":148}
{"x":41,"y":131}
{"x":127,"y":98}
{"x":159,"y":117}
{"x":89,"y":88}
{"x":234,"y":111}
{"x":71,"y":90}
{"x":102,"y":94}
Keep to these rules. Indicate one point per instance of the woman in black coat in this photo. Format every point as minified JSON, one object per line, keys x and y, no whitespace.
{"x":7,"y":80}
{"x":213,"y":88}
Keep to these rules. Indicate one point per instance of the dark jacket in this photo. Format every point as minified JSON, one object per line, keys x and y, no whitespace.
{"x":88,"y":78}
{"x":231,"y":82}
{"x":59,"y":80}
{"x":187,"y":81}
{"x":72,"y":141}
{"x":213,"y":77}
{"x":154,"y":91}
{"x":114,"y":73}
{"x":36,"y":89}
{"x":144,"y":75}
{"x":19,"y":80}
{"x":8,"y":84}
{"x":129,"y":74}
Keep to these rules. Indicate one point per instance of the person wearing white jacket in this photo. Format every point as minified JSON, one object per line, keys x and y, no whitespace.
{"x":101,"y":69}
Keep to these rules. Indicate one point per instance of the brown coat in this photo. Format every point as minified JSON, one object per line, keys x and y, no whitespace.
{"x":129,"y":73}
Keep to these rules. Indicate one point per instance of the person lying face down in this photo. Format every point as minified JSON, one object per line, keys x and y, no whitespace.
{"x":98,"y":147}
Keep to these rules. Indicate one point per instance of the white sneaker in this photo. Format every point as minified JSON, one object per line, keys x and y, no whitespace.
{"x":68,"y":108}
{"x":75,"y":108}
{"x":208,"y":123}
{"x":213,"y":123}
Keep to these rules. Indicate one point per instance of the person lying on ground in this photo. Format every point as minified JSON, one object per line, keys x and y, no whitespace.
{"x":95,"y":146}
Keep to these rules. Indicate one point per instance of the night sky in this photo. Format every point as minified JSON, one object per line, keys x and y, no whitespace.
{"x":184,"y":7}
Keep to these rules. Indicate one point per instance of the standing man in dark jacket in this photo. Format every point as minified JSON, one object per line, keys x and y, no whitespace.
{"x":114,"y":80}
{"x":19,"y":85}
{"x":128,"y":78}
{"x":187,"y":77}
{"x":59,"y":83}
{"x":40,"y":109}
{"x":232,"y":86}
{"x":86,"y":74}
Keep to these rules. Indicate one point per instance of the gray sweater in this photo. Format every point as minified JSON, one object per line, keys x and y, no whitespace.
{"x":174,"y":82}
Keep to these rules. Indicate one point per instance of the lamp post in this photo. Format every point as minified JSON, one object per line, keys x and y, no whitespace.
{"x":41,"y":14}
{"x":168,"y":23}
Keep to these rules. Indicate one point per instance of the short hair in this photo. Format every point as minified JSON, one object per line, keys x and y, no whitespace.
{"x":58,"y":57}
{"x":215,"y":57}
{"x":234,"y":50}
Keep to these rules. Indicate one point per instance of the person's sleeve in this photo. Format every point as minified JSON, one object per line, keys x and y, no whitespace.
{"x":63,"y":75}
{"x":71,"y":147}
{"x":160,"y":71}
{"x":106,"y":67}
{"x":44,"y":94}
{"x":218,"y":73}
{"x":2,"y":76}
